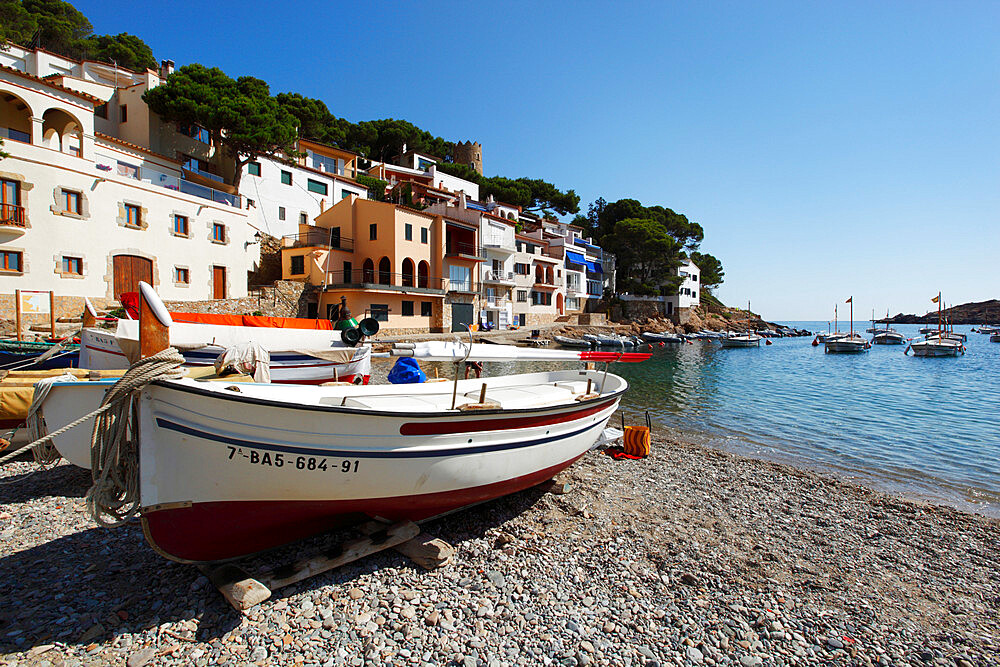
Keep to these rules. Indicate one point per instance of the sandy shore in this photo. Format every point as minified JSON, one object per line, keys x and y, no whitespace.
{"x":692,"y":556}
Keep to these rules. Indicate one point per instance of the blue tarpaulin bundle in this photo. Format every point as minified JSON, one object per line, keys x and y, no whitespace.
{"x":406,"y":371}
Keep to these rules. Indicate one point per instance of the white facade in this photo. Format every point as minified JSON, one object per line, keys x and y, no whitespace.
{"x":497,"y":277}
{"x":74,"y":201}
{"x":278,"y":205}
{"x":689,"y":293}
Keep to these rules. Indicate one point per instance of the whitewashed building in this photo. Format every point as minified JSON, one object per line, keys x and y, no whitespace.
{"x":689,"y":293}
{"x":282,"y":195}
{"x":86,"y":212}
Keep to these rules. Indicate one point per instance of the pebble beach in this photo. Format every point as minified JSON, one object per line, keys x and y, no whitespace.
{"x":691,"y":556}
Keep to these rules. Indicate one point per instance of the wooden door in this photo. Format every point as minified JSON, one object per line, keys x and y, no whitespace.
{"x":218,"y":282}
{"x":129,"y":270}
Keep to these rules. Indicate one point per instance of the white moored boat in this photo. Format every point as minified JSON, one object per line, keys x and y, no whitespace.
{"x":742,"y":340}
{"x":940,"y":344}
{"x":934,"y":346}
{"x":848,"y":343}
{"x":888,"y":337}
{"x":225,"y":470}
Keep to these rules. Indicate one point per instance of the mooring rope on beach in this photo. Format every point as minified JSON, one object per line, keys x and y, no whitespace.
{"x":114,"y":464}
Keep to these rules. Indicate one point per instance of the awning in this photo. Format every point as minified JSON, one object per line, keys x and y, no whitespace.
{"x":575,"y":257}
{"x":593,"y":267}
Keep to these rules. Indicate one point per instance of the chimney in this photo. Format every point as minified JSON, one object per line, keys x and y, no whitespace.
{"x":461,"y":198}
{"x":166,"y":68}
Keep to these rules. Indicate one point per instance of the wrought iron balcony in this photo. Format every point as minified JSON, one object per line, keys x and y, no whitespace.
{"x":12,"y":216}
{"x":318,"y":236}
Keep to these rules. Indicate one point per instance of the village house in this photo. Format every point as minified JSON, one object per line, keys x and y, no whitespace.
{"x":88,"y":210}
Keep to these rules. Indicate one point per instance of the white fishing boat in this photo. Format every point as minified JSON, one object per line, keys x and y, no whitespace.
{"x":851,"y":342}
{"x":937,"y":344}
{"x":296,"y":356}
{"x":225,"y":470}
{"x":822,"y":338}
{"x":749,"y":339}
{"x":885,"y":334}
{"x":888,"y":337}
{"x":932,"y":346}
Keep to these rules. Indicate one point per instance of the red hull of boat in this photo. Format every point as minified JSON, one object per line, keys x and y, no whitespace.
{"x":225,"y":530}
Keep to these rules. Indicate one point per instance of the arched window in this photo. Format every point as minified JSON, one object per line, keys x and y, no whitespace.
{"x":16,"y":115}
{"x":368,"y":271}
{"x":407,"y":272}
{"x":423,"y":274}
{"x":384,"y":271}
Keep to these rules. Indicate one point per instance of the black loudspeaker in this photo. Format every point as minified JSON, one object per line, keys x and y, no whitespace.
{"x":368,"y":326}
{"x":351,"y":337}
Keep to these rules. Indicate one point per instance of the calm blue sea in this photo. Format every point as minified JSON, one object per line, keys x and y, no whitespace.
{"x":926,"y":428}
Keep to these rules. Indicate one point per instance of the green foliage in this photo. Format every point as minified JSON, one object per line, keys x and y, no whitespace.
{"x":712,"y":274}
{"x":2,"y":153}
{"x":376,"y":186}
{"x":646,"y":255}
{"x":63,"y":30}
{"x":124,"y":49}
{"x":648,"y":241}
{"x":240,"y":114}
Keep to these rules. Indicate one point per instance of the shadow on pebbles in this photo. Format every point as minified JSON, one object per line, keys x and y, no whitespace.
{"x":691,"y":556}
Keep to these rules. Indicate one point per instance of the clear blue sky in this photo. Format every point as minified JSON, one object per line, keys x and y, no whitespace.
{"x":828,"y":149}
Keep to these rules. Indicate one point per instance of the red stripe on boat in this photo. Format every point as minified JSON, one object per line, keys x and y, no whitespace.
{"x":501,"y":424}
{"x":231,"y":529}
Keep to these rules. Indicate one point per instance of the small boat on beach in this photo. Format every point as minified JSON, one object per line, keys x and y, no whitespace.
{"x":38,"y":355}
{"x":296,"y":355}
{"x":652,"y":337}
{"x":605,"y":340}
{"x":224,"y":470}
{"x":577,"y":343}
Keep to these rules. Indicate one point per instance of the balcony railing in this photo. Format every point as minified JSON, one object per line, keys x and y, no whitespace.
{"x":453,"y":248}
{"x":460,"y":286}
{"x":497,"y":303}
{"x":318,"y":236}
{"x":498,"y":277}
{"x":375,"y":279}
{"x":572,"y":288}
{"x":11,"y":216}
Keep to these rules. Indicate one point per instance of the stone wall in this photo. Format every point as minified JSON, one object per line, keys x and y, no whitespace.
{"x":286,"y":298}
{"x":592,"y":319}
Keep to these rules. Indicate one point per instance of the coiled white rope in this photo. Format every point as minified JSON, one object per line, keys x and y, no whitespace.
{"x":114,"y":456}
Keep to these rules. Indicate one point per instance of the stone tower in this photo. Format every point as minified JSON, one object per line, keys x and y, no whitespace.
{"x":467,"y":152}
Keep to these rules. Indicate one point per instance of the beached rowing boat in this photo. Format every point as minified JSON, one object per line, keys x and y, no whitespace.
{"x":296,"y":356}
{"x":225,"y":470}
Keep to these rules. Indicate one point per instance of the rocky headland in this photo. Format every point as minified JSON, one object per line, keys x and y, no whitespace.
{"x":981,"y":312}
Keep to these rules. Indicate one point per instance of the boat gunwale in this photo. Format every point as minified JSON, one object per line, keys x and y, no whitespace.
{"x":342,"y":409}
